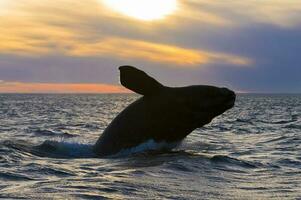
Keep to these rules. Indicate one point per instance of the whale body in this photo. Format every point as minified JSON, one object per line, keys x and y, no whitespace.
{"x":162,"y":114}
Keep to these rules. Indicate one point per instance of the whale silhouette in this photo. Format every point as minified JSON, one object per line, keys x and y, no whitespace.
{"x":162,"y":114}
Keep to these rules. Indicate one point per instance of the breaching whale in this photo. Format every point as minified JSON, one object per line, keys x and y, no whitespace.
{"x":162,"y":114}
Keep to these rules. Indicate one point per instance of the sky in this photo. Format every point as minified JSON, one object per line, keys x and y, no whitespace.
{"x":76,"y":46}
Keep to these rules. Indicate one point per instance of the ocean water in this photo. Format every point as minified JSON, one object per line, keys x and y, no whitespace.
{"x":252,"y":151}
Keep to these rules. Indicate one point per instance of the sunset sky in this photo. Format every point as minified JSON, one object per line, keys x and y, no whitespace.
{"x":77,"y":45}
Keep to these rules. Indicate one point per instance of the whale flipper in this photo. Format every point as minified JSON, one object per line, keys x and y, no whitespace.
{"x":138,"y":81}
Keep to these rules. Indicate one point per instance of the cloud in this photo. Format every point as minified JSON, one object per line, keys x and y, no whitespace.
{"x":193,"y":11}
{"x":21,"y":87}
{"x":285,"y":14}
{"x":81,"y":41}
{"x":155,"y":52}
{"x":49,"y":31}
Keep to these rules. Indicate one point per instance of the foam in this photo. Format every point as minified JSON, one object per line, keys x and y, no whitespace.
{"x":67,"y":149}
{"x":72,"y":149}
{"x":149,"y":145}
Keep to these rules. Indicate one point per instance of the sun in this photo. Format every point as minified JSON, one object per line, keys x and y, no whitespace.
{"x":143,"y":9}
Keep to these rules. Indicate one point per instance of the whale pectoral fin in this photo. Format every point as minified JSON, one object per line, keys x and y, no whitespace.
{"x":138,"y":81}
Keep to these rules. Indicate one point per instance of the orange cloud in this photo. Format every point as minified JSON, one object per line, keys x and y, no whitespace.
{"x":21,"y":87}
{"x":32,"y":29}
{"x":131,"y":49}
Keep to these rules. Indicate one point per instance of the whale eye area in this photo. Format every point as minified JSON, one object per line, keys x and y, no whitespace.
{"x":202,"y":101}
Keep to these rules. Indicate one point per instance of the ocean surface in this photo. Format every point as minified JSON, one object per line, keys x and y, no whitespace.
{"x":252,"y":151}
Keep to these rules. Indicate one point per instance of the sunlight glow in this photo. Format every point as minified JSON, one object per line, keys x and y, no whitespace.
{"x":3,"y":6}
{"x":143,"y":9}
{"x":22,"y":87}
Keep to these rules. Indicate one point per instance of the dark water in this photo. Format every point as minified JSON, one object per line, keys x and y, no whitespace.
{"x":251,"y":152}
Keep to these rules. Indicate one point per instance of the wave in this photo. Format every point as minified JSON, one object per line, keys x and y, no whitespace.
{"x":71,"y":149}
{"x":51,"y":148}
{"x":14,"y":177}
{"x":233,"y":161}
{"x":63,"y":149}
{"x":149,"y":149}
{"x":278,"y":122}
{"x":248,"y":121}
{"x":78,"y":150}
{"x":46,"y":132}
{"x":293,"y":126}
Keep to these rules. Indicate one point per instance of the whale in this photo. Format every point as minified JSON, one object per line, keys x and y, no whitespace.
{"x":162,"y":114}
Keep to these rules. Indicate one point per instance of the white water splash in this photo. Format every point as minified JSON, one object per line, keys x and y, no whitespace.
{"x":149,"y":145}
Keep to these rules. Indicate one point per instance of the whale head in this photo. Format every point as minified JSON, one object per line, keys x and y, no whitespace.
{"x":196,"y":105}
{"x":201,"y":103}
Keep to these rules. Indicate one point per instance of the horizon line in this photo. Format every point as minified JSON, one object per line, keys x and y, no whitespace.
{"x":130,"y":92}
